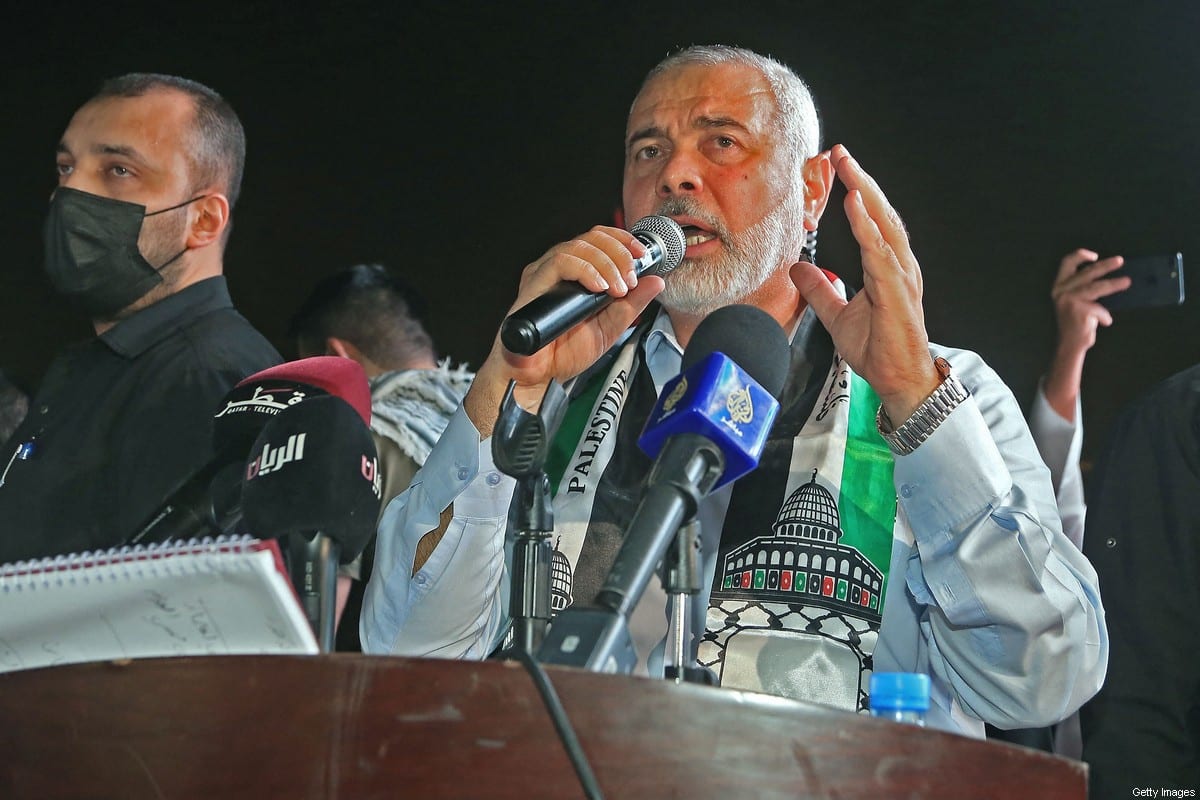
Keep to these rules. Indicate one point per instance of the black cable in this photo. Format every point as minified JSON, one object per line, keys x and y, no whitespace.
{"x":562,"y":724}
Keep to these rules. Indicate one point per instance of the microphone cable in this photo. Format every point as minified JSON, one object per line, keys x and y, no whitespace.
{"x":558,"y":715}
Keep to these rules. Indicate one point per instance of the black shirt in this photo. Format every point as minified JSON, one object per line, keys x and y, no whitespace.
{"x":1143,"y":536}
{"x":120,"y":421}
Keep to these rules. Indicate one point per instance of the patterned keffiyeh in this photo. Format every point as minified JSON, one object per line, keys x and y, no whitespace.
{"x":413,"y":406}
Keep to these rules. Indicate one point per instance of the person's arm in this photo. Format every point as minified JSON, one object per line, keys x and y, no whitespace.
{"x":600,"y":260}
{"x":1055,"y":419}
{"x":1060,"y":443}
{"x":438,"y":587}
{"x":452,"y":605}
{"x":1076,"y":292}
{"x":1009,"y":613}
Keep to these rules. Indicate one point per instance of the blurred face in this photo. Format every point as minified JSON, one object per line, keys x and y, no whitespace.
{"x":703,"y":147}
{"x":134,"y":149}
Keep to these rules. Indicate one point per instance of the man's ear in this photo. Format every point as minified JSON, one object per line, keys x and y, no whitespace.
{"x":817,"y":174}
{"x":340,"y":347}
{"x":346,"y":349}
{"x":211,"y":219}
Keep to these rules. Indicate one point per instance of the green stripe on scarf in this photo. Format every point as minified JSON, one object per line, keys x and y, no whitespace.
{"x":867,"y":500}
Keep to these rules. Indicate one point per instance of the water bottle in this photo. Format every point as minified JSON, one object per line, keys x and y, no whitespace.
{"x":900,"y":696}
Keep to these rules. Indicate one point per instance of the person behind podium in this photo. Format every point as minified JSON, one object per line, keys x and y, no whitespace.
{"x":1141,"y":733}
{"x":370,"y":315}
{"x":149,"y":171}
{"x":852,"y":552}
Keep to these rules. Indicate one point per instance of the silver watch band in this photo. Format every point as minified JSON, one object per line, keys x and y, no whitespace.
{"x":928,"y":416}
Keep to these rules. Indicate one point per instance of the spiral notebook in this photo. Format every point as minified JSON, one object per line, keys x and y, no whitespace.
{"x":201,"y":597}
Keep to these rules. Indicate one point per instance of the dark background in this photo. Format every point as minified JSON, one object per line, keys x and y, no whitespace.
{"x":457,"y":142}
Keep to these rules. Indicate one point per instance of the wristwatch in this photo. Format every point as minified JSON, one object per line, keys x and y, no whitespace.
{"x":928,"y":416}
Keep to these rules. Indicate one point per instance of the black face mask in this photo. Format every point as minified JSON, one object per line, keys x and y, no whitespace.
{"x":92,"y":255}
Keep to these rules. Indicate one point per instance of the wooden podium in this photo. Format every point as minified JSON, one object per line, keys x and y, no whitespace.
{"x":350,"y":726}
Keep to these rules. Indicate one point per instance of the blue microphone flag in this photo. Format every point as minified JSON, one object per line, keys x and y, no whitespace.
{"x":718,"y":400}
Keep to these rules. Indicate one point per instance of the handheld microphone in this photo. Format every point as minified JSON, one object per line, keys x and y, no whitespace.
{"x":313,"y":476}
{"x":709,"y":427}
{"x":543,"y":319}
{"x":208,"y":502}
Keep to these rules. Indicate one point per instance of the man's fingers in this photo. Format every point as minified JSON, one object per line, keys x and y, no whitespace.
{"x":584,"y":262}
{"x":1096,"y":269}
{"x":621,"y":247}
{"x":1071,"y":262}
{"x":1090,"y":283}
{"x":1081,"y":279}
{"x":818,"y":291}
{"x":600,"y":260}
{"x":883,"y":269}
{"x":885,"y":217}
{"x":1106,"y":286}
{"x":871,"y":241}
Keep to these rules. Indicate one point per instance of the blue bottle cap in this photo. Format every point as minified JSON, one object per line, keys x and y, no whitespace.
{"x":900,"y":691}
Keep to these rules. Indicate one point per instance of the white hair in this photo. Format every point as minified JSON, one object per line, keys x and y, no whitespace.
{"x":796,"y":110}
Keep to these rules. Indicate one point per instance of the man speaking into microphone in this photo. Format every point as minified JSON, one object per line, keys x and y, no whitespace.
{"x":900,"y":518}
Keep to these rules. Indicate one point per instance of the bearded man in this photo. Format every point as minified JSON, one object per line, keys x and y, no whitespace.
{"x":900,"y":516}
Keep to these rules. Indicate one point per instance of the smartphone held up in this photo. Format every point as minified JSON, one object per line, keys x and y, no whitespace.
{"x":1156,"y":281}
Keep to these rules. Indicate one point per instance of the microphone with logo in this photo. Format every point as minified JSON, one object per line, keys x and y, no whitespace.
{"x":543,"y":319}
{"x":208,"y":503}
{"x":313,"y":476}
{"x":708,"y":428}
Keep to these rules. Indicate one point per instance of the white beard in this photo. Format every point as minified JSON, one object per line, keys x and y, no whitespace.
{"x":699,"y":286}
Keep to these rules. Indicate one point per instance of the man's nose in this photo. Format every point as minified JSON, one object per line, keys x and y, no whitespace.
{"x":681,"y":175}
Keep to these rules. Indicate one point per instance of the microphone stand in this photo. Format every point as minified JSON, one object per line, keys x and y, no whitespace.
{"x":597,"y":638}
{"x":314,"y":574}
{"x":520,"y":444}
{"x":681,"y":581}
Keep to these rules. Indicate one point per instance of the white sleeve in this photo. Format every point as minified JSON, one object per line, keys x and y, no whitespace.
{"x":453,"y":606}
{"x":1061,"y":444}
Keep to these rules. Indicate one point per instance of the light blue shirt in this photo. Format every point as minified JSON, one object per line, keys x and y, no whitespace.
{"x":993,"y":601}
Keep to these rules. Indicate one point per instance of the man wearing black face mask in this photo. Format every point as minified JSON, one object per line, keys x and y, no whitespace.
{"x":148,"y":173}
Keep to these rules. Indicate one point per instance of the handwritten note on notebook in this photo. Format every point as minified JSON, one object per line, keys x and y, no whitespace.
{"x":194,"y":598}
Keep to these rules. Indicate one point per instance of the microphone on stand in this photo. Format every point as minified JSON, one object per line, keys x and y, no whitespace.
{"x":313,"y":476}
{"x":255,"y":400}
{"x":708,"y":428}
{"x":543,"y":319}
{"x":208,"y":503}
{"x":205,"y":504}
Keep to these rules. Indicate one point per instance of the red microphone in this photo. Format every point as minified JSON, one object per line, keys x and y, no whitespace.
{"x":253,"y":402}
